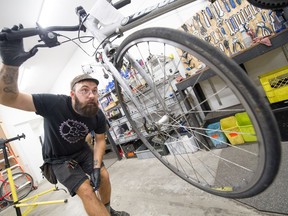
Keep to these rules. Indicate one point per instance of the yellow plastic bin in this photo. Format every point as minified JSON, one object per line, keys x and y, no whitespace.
{"x":275,"y":84}
{"x":246,"y":127}
{"x":231,"y":130}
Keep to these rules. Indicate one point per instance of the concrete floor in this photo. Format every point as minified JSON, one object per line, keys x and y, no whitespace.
{"x":147,"y":188}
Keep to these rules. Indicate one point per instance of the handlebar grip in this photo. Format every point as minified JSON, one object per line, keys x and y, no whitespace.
{"x":3,"y":141}
{"x":19,"y":34}
{"x":15,"y":138}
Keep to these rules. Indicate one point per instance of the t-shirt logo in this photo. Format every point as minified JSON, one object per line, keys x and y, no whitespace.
{"x":73,"y":131}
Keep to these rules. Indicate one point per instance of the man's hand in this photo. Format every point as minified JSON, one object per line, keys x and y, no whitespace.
{"x":12,"y":52}
{"x":95,"y":178}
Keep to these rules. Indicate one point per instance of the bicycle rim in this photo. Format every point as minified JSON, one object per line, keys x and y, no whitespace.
{"x":269,"y":4}
{"x":23,"y":183}
{"x":226,"y":160}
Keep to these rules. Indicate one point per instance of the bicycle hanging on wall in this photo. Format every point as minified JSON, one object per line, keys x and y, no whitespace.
{"x":155,"y":112}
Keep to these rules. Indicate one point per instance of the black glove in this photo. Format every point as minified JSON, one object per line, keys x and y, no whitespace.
{"x":12,"y":52}
{"x":95,"y":178}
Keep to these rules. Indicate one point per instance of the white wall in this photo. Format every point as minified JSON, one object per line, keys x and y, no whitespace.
{"x":27,"y":151}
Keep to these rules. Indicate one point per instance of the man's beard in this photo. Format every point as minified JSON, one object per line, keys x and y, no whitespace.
{"x":88,"y":110}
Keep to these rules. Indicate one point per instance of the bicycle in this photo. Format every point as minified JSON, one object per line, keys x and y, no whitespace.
{"x":155,"y":111}
{"x":17,"y":186}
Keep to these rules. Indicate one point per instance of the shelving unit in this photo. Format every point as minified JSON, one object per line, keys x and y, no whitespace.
{"x":277,"y":40}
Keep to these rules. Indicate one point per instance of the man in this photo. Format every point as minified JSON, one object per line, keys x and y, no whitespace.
{"x":67,"y":121}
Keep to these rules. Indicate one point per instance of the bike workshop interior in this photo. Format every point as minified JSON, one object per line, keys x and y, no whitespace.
{"x":141,"y":184}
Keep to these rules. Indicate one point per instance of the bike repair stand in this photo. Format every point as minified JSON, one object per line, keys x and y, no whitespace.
{"x":8,"y":170}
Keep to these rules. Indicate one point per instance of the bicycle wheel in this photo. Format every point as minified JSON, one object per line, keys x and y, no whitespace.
{"x":227,"y":160}
{"x":23,"y":184}
{"x":269,"y":4}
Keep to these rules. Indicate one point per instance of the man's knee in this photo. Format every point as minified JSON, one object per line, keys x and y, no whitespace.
{"x":85,"y":190}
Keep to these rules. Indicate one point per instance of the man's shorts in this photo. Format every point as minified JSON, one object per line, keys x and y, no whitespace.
{"x":73,"y":172}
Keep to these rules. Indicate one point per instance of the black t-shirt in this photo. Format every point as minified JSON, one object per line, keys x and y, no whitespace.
{"x":64,"y":129}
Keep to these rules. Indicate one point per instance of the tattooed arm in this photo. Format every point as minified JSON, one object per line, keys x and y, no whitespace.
{"x":9,"y":93}
{"x":99,"y":149}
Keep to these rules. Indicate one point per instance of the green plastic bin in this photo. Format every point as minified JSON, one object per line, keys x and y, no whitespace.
{"x":246,"y":127}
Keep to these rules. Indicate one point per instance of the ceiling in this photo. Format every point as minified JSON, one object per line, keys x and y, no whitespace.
{"x":47,"y":63}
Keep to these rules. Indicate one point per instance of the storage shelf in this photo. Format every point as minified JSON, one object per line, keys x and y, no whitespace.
{"x":254,"y":51}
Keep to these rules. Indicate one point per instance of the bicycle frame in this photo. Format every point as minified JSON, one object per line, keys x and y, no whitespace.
{"x":103,"y":23}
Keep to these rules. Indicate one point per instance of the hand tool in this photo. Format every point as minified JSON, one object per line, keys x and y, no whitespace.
{"x":184,"y":26}
{"x":219,"y":20}
{"x":229,"y":27}
{"x":207,"y":38}
{"x":239,"y":16}
{"x":220,"y":35}
{"x":247,"y":13}
{"x":203,"y":30}
{"x":221,"y":47}
{"x":193,"y":28}
{"x":232,"y":3}
{"x":233,"y":23}
{"x":209,"y":13}
{"x":223,"y":31}
{"x":213,"y":35}
{"x":265,"y":30}
{"x":236,"y":42}
{"x":271,"y":21}
{"x":227,"y":47}
{"x":226,"y":5}
{"x":264,"y":16}
{"x":235,"y":17}
{"x":243,"y":15}
{"x":249,"y":7}
{"x":219,"y":9}
{"x":206,"y":20}
{"x":254,"y":10}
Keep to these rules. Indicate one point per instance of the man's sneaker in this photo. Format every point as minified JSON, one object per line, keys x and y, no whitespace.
{"x":118,"y":213}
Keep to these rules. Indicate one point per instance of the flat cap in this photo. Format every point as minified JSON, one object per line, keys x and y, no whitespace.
{"x":83,"y":77}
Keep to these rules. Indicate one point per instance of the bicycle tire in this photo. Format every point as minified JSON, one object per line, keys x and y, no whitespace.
{"x":269,"y":4}
{"x":24,"y":185}
{"x":236,"y":171}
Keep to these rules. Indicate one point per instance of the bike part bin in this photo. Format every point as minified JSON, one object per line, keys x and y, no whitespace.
{"x":182,"y":146}
{"x":246,"y":127}
{"x":144,"y":153}
{"x":217,"y":137}
{"x":275,"y":84}
{"x":231,"y":130}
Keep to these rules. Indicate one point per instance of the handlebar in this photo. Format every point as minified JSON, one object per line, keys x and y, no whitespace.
{"x":28,"y":32}
{"x":3,"y":141}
